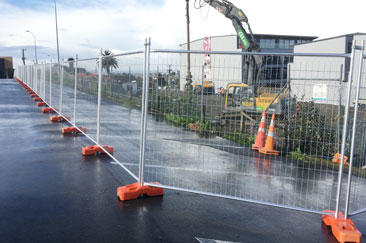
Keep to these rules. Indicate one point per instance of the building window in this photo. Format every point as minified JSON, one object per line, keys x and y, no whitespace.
{"x":349,"y":47}
{"x":267,"y":43}
{"x":286,"y":44}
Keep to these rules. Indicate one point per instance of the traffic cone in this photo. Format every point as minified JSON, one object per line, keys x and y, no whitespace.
{"x":261,"y":134}
{"x":269,"y":148}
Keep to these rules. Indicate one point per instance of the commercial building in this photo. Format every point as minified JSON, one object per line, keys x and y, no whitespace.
{"x":324,"y":79}
{"x":224,"y":69}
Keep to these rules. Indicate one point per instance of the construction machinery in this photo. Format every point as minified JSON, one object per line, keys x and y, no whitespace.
{"x":208,"y":88}
{"x":242,"y":97}
{"x":246,"y":97}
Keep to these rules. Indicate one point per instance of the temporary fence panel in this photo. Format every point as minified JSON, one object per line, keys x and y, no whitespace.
{"x":55,"y":86}
{"x":357,"y":195}
{"x":86,"y":96}
{"x":120,"y":111}
{"x":68,"y":75}
{"x":201,"y":142}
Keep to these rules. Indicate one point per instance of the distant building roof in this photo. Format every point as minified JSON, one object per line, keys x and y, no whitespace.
{"x":334,"y":37}
{"x":261,"y":35}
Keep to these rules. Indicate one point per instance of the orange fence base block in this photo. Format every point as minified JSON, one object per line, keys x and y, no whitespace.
{"x":133,"y":191}
{"x":344,"y":230}
{"x":268,"y":151}
{"x":72,"y":130}
{"x":58,"y":119}
{"x":48,"y":110}
{"x":37,"y":99}
{"x":41,"y":103}
{"x":92,"y":150}
{"x":33,"y":95}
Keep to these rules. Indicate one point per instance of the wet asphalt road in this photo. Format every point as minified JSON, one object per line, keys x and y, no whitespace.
{"x":50,"y":193}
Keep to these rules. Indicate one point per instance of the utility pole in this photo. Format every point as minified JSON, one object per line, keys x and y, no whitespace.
{"x":189,"y":75}
{"x":58,"y":48}
{"x":23,"y":57}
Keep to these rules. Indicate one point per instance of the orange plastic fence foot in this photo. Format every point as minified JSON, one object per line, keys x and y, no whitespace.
{"x":48,"y":110}
{"x":58,"y":119}
{"x":41,"y":103}
{"x":37,"y":99}
{"x":133,"y":191}
{"x":344,"y":230}
{"x":91,"y":150}
{"x":73,"y":130}
{"x":33,"y":95}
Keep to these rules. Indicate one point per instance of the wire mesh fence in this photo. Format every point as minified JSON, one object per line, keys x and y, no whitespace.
{"x":200,"y":136}
{"x":121,"y":98}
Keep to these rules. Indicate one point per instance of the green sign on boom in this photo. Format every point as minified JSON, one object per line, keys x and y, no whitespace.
{"x":243,"y":39}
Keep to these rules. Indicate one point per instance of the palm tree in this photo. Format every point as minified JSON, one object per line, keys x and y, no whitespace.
{"x":109,"y":62}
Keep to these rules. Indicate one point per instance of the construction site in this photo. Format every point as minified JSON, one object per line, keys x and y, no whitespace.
{"x":196,"y":143}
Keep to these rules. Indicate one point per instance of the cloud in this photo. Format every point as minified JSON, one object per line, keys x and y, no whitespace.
{"x":123,"y":25}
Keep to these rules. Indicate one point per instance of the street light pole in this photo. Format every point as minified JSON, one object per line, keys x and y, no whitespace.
{"x":58,"y":48}
{"x":35,"y":46}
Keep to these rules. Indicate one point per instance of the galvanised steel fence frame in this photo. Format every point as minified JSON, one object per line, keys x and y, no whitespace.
{"x":48,"y":81}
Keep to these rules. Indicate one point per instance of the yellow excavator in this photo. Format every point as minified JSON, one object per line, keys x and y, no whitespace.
{"x":242,"y":97}
{"x":247,"y":97}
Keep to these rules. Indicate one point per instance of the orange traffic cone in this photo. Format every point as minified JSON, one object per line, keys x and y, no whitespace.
{"x":269,"y":148}
{"x":261,"y":134}
{"x":337,"y":159}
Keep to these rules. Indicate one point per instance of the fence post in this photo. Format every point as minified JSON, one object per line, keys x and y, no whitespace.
{"x":99,"y":95}
{"x":339,"y":109}
{"x":354,"y":130}
{"x":202,"y":82}
{"x":75,"y":87}
{"x":51,"y":83}
{"x":35,"y":73}
{"x":44,"y":80}
{"x":345,"y":124}
{"x":61,"y":76}
{"x":145,"y":99}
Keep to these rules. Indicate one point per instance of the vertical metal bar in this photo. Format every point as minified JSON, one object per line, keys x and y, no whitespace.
{"x":203,"y":77}
{"x":36,"y":78}
{"x":354,"y":130}
{"x":145,"y":98}
{"x":44,"y":80}
{"x":142,"y":114}
{"x":345,"y":123}
{"x":75,"y":87}
{"x":61,"y":68}
{"x":339,"y":110}
{"x":51,"y":83}
{"x":99,"y":95}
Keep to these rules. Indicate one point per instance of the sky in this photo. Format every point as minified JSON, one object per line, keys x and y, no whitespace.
{"x":86,"y":26}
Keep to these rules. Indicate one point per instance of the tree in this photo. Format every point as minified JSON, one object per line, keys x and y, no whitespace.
{"x":109,"y":61}
{"x":71,"y":62}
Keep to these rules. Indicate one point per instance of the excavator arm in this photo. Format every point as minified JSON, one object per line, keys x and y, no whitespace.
{"x":253,"y":63}
{"x":237,"y":17}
